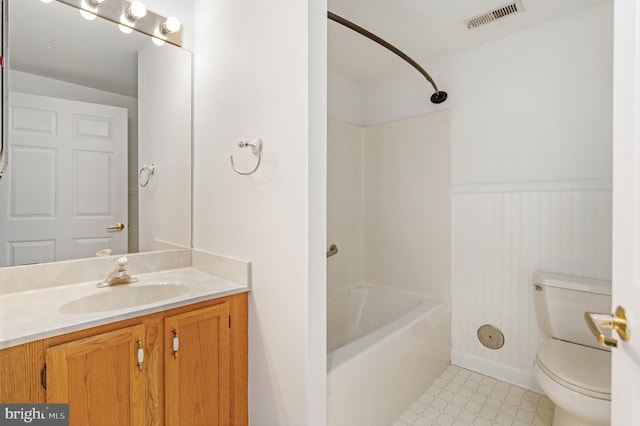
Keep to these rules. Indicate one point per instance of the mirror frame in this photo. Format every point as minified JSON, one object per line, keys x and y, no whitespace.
{"x":4,"y":154}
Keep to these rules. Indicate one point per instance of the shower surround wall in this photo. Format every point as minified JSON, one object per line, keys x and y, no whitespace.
{"x":345,"y":174}
{"x":389,"y":208}
{"x":407,"y":207}
{"x":389,"y":212}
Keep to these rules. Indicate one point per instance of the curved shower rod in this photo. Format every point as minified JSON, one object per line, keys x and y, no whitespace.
{"x":437,"y":98}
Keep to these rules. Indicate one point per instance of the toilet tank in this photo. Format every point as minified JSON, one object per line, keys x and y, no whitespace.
{"x":562,"y":300}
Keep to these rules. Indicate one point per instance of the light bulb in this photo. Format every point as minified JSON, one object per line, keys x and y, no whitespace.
{"x":94,"y":3}
{"x":170,"y":25}
{"x":136,"y":10}
{"x":87,"y":15}
{"x":46,"y":1}
{"x":87,"y":11}
{"x":158,"y":37}
{"x":125,"y":28}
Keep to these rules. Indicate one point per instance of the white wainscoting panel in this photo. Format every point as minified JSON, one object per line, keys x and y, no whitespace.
{"x":499,"y":240}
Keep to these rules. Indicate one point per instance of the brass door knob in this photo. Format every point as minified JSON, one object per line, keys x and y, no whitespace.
{"x":117,"y":227}
{"x":617,"y":322}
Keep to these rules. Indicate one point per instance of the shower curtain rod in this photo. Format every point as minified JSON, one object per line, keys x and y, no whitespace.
{"x":437,"y":98}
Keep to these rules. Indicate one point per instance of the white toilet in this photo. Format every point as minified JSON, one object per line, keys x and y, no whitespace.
{"x":571,"y":367}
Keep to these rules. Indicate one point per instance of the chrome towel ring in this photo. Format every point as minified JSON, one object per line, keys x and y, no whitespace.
{"x":256,"y":149}
{"x":143,"y":178}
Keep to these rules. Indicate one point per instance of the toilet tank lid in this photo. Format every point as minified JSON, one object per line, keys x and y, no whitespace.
{"x":573,"y":283}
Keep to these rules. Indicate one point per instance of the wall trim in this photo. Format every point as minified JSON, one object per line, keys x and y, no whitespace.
{"x":490,"y":368}
{"x":603,"y":184}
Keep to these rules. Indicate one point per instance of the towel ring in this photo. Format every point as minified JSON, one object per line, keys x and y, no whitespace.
{"x":144,"y":180}
{"x":256,"y":149}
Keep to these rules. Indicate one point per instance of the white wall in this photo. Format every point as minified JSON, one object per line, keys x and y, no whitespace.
{"x":531,"y":118}
{"x":534,"y":106}
{"x":260,"y":71}
{"x":164,"y":73}
{"x":407,"y":209}
{"x":345,"y":214}
{"x":531,"y":180}
{"x":543,"y":104}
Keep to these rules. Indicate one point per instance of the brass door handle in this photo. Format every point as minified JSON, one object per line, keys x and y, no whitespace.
{"x":617,"y":322}
{"x":116,"y":227}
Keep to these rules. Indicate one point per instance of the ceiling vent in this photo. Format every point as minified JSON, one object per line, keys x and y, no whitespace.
{"x":494,"y":14}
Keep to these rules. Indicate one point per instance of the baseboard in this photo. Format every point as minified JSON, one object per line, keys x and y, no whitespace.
{"x":524,"y":379}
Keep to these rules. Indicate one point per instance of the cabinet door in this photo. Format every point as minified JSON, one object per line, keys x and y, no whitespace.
{"x":197,"y":369}
{"x":100,"y":377}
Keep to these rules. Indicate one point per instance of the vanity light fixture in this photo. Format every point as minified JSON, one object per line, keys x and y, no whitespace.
{"x":132,"y":16}
{"x":135,"y":11}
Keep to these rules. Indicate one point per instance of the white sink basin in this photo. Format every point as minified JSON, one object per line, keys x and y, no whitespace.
{"x":124,"y":296}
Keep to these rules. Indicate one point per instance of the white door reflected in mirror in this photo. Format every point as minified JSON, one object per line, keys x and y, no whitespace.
{"x":67,"y":180}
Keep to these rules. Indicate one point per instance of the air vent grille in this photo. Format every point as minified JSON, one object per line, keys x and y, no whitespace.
{"x":494,"y":14}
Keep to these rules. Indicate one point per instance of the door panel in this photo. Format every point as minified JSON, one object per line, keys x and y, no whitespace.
{"x":625,"y":369}
{"x":197,"y":378}
{"x":67,"y":180}
{"x":100,"y":375}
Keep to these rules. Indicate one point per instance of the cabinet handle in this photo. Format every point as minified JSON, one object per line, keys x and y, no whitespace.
{"x":176,"y":343}
{"x":43,"y":377}
{"x":140,"y":355}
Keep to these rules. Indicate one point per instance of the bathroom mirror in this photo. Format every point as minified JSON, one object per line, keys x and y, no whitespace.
{"x":97,"y":132}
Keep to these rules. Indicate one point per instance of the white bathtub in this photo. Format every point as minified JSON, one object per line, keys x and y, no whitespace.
{"x":385,"y":349}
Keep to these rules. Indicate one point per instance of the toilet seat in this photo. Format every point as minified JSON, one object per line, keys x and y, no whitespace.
{"x":576,"y":367}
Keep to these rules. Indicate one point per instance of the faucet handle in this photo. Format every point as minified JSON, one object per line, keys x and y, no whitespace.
{"x":121,"y":264}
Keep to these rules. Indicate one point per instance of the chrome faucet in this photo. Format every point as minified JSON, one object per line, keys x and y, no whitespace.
{"x":120,"y":275}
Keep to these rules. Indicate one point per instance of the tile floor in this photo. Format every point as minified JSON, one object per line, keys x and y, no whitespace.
{"x":462,"y":397}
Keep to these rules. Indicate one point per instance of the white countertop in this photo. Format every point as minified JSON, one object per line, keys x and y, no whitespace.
{"x":35,"y":314}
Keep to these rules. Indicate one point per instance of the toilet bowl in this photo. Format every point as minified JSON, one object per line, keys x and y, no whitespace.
{"x":570,"y":367}
{"x":565,"y":372}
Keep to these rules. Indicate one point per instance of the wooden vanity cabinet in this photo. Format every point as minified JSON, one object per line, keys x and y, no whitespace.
{"x":101,"y":375}
{"x":184,"y":366}
{"x":196,"y":368}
